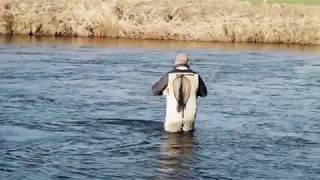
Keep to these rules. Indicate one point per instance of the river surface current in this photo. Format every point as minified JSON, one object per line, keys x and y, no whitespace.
{"x":85,"y":111}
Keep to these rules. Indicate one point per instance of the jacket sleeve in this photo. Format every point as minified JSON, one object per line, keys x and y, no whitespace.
{"x":202,"y":89}
{"x":159,"y":86}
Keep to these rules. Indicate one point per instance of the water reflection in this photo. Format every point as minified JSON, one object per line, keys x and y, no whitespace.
{"x":175,"y":155}
{"x":158,"y":44}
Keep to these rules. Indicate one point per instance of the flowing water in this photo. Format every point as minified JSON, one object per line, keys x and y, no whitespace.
{"x":82,"y":109}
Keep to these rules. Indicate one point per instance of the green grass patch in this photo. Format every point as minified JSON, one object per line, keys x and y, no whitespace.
{"x":304,"y":2}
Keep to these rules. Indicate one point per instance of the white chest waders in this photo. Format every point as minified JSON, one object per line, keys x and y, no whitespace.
{"x":181,"y":101}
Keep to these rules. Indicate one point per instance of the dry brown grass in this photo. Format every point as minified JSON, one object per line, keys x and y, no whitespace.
{"x":203,"y":20}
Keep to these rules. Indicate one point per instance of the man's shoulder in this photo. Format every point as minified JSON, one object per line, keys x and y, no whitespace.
{"x":182,"y":71}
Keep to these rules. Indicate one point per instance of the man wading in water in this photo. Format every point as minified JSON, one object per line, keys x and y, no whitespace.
{"x":182,"y":86}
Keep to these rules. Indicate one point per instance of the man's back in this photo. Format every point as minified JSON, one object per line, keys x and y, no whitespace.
{"x":182,"y":86}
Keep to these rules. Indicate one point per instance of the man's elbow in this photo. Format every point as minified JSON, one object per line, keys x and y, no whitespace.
{"x":156,"y":92}
{"x":203,"y":93}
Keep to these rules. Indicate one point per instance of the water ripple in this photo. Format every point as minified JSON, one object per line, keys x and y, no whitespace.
{"x":87,"y":113}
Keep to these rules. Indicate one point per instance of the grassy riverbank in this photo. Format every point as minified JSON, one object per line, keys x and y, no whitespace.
{"x":205,"y":20}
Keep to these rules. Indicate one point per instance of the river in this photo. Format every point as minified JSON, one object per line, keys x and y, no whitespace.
{"x":73,"y":108}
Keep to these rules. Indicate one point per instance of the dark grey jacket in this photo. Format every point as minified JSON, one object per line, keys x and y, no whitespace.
{"x":161,"y":85}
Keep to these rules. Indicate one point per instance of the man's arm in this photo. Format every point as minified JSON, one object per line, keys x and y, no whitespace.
{"x":159,"y":86}
{"x":202,"y":89}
